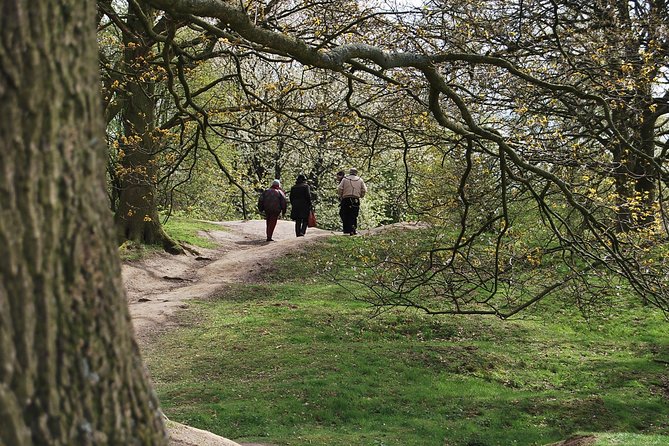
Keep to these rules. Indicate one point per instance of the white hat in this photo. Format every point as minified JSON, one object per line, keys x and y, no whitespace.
{"x":276,"y":183}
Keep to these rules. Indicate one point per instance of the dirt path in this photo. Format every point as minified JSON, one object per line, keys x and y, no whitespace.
{"x":159,"y":286}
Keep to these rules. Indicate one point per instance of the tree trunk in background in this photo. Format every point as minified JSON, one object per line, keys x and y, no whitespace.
{"x":70,"y":370}
{"x":634,"y":174}
{"x":137,"y":216}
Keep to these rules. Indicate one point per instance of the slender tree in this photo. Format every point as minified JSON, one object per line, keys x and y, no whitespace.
{"x":70,"y":370}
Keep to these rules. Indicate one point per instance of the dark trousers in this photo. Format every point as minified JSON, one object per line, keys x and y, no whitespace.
{"x":301,"y":226}
{"x":350,"y":208}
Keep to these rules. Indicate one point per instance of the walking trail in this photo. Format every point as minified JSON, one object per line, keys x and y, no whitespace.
{"x":159,"y":286}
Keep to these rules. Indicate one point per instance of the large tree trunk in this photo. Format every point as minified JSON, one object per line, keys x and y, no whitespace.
{"x":634,"y":174}
{"x":70,"y":370}
{"x":137,"y":217}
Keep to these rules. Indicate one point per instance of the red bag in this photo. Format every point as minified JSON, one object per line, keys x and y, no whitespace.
{"x":312,"y":220}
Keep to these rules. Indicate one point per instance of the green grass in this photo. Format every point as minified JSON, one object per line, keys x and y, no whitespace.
{"x":179,"y":228}
{"x":189,"y":231}
{"x":630,"y":440}
{"x":129,"y":251}
{"x":295,"y":361}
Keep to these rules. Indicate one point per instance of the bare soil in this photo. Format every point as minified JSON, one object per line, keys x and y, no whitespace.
{"x":159,"y":286}
{"x":579,"y":440}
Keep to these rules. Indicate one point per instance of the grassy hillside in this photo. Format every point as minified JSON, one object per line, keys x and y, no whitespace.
{"x":296,"y":361}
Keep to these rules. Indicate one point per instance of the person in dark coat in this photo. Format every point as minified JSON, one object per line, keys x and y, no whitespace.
{"x":300,"y":202}
{"x":338,"y":177}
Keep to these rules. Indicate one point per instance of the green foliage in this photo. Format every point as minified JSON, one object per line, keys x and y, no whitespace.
{"x":371,"y":212}
{"x":203,"y":193}
{"x":505,"y":266}
{"x":293,"y":361}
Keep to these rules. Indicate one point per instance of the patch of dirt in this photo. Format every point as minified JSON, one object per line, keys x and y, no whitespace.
{"x":579,"y":440}
{"x":159,"y":286}
{"x":182,"y":435}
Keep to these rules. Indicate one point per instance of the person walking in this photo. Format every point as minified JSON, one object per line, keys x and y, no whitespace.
{"x":300,"y":203}
{"x":338,"y":177}
{"x":351,"y":189}
{"x":272,"y":202}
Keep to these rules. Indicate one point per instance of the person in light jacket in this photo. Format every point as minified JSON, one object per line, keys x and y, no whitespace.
{"x":351,"y":189}
{"x":300,"y":203}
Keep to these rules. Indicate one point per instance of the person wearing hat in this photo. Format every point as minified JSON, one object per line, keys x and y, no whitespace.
{"x":272,"y":202}
{"x":300,"y":205}
{"x":351,"y":189}
{"x":338,"y":177}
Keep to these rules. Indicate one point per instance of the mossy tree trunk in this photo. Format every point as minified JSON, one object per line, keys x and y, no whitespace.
{"x":70,"y":370}
{"x":136,"y":216}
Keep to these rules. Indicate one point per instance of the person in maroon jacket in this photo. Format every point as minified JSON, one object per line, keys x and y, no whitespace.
{"x":272,"y":203}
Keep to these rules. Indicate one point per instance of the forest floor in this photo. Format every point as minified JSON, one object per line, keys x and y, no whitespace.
{"x":160,"y":285}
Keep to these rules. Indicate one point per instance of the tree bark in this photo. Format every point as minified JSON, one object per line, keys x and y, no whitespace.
{"x":634,"y":174}
{"x":136,"y":217}
{"x":70,"y":370}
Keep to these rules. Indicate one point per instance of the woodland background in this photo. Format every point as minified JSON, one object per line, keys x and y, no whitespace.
{"x":532,"y":134}
{"x":529,"y":136}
